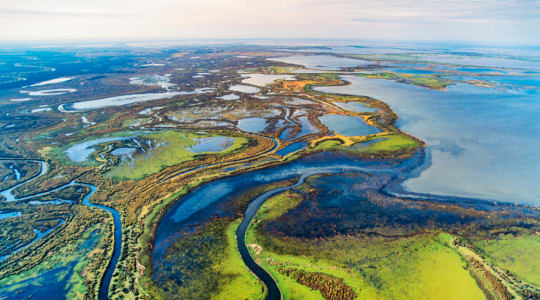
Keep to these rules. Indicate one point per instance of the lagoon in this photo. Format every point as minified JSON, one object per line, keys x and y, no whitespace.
{"x":480,"y":142}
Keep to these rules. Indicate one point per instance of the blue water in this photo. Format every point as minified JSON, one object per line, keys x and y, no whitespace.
{"x":80,"y":152}
{"x":306,"y":127}
{"x":12,"y":214}
{"x":323,"y":62}
{"x":481,"y":142}
{"x":211,"y":199}
{"x":347,"y":125}
{"x":212,"y":144}
{"x":292,"y":148}
{"x":355,"y":106}
{"x":254,"y":125}
{"x":117,"y":247}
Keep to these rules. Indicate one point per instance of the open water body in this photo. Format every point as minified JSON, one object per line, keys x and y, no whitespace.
{"x":481,"y":142}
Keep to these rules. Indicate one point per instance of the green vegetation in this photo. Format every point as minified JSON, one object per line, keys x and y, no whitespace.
{"x":243,"y":284}
{"x":377,"y":145}
{"x":173,"y":152}
{"x":428,"y":81}
{"x":517,"y":254}
{"x":156,"y":150}
{"x":210,"y":265}
{"x":70,"y":266}
{"x":419,"y":267}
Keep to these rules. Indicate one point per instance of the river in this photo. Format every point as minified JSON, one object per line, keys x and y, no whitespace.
{"x":107,"y":277}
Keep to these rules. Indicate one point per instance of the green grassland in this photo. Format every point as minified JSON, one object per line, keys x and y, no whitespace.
{"x":519,"y":255}
{"x":213,"y":268}
{"x":172,"y":153}
{"x":69,"y":264}
{"x":243,"y":284}
{"x":387,"y":144}
{"x":419,"y":267}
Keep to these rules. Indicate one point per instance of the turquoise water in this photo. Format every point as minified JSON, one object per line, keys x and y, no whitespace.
{"x":347,"y":125}
{"x":12,"y":214}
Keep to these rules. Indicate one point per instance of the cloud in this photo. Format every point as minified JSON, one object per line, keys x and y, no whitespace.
{"x":494,"y":20}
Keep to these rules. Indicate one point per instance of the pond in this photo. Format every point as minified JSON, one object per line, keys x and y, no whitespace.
{"x":126,"y":99}
{"x":80,"y":152}
{"x":244,"y":89}
{"x":229,"y":97}
{"x":347,"y":125}
{"x":265,"y":79}
{"x":355,"y":106}
{"x":212,"y":144}
{"x":254,"y":125}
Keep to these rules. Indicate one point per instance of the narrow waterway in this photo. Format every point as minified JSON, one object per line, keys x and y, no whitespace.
{"x":107,"y":277}
{"x":205,"y":202}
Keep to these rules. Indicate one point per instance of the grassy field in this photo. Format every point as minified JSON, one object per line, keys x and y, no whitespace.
{"x":173,"y":152}
{"x":67,"y":268}
{"x":420,"y":267}
{"x":519,"y":255}
{"x":242,"y":283}
{"x":380,"y":144}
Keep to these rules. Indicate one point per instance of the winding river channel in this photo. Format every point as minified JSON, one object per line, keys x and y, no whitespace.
{"x":106,"y":281}
{"x":209,"y":200}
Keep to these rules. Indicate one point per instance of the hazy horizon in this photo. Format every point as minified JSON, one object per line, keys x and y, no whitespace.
{"x":504,"y":22}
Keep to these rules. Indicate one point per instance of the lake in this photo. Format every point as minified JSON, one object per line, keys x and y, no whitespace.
{"x":481,"y":142}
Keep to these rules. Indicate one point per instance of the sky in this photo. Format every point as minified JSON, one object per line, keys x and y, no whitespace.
{"x":493,"y":21}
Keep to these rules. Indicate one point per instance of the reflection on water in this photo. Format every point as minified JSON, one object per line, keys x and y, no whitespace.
{"x":212,"y":144}
{"x":324,"y":62}
{"x":482,"y":142}
{"x":252,"y":124}
{"x":347,"y":125}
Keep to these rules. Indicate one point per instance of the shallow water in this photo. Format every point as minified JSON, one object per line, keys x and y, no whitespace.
{"x":213,"y":198}
{"x":292,"y":148}
{"x":229,"y":97}
{"x":481,"y":142}
{"x":323,"y":62}
{"x":126,"y":99}
{"x":12,"y":214}
{"x":80,"y":152}
{"x":52,"y":92}
{"x":355,"y":106}
{"x":307,"y":127}
{"x":244,"y":89}
{"x":264,"y":79}
{"x":212,"y":144}
{"x":347,"y":125}
{"x":254,"y":125}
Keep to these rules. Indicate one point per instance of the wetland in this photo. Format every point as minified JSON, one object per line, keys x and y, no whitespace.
{"x":268,"y":172}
